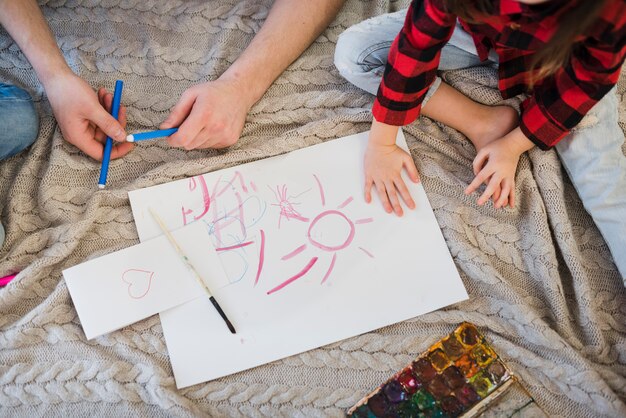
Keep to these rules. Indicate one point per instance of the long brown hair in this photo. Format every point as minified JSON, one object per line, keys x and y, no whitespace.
{"x":556,"y":52}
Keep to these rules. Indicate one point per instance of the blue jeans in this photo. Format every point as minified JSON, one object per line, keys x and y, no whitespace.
{"x":591,"y":154}
{"x":19,"y":124}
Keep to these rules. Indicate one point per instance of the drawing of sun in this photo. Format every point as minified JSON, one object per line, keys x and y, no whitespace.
{"x":330,"y":231}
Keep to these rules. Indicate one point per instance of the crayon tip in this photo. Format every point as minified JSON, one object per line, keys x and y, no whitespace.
{"x":130,"y":138}
{"x":101,"y":186}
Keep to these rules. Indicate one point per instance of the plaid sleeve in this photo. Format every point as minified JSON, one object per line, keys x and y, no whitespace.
{"x":412,"y":64}
{"x":560,"y":102}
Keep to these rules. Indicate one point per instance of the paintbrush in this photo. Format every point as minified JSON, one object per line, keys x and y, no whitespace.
{"x":190,"y":266}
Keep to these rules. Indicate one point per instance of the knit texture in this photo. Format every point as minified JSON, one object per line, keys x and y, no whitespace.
{"x":542,"y":284}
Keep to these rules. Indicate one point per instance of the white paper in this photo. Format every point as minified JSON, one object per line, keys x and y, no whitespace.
{"x":307,"y":261}
{"x":127,"y":286}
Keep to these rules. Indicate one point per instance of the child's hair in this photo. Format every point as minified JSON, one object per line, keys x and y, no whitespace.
{"x":555,"y":54}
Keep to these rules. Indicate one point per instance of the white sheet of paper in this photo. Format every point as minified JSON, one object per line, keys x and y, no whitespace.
{"x":127,"y":286}
{"x":307,"y":261}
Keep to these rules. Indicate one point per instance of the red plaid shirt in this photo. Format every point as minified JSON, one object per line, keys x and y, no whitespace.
{"x":514,"y":31}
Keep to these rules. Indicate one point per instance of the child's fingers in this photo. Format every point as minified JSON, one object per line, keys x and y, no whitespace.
{"x":479,"y":161}
{"x":404,"y":192}
{"x":496,"y":193}
{"x":393,"y":197}
{"x":368,"y":190}
{"x":512,"y":196}
{"x":489,"y":190}
{"x":480,"y":178}
{"x":382,"y":195}
{"x":506,"y":189}
{"x":409,"y":165}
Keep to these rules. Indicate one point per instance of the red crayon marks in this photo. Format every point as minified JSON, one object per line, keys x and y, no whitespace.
{"x":139,"y":282}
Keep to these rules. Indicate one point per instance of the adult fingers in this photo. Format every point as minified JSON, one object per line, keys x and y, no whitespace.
{"x":187,"y":132}
{"x":181,"y":110}
{"x":100,"y":136}
{"x":107,"y":124}
{"x":119,"y":150}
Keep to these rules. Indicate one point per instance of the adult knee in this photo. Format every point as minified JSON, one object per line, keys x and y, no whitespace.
{"x":19,"y":123}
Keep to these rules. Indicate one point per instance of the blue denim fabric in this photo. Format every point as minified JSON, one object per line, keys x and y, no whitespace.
{"x":19,"y":124}
{"x":362,"y":50}
{"x":591,"y":154}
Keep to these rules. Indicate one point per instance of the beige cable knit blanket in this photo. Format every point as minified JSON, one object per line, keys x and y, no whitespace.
{"x":542,"y":284}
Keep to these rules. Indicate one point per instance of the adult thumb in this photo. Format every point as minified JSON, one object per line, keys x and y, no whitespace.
{"x":180,"y":111}
{"x":109,"y":125}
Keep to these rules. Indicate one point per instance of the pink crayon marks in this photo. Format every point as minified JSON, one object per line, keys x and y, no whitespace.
{"x":331,"y":231}
{"x":287,"y":207}
{"x":230,"y":207}
{"x":138,"y":281}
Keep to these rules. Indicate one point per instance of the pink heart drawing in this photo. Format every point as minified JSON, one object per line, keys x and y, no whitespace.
{"x":139,"y":282}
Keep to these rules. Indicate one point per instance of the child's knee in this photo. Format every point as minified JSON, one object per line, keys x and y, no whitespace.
{"x":347,"y":53}
{"x":19,"y":123}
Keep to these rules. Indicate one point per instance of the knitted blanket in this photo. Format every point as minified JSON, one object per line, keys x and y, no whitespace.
{"x":542,"y":284}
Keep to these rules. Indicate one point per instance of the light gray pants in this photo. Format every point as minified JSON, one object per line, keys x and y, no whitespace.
{"x":591,"y":154}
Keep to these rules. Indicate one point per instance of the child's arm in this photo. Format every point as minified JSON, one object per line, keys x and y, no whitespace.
{"x":384,"y":162}
{"x":559,"y":102}
{"x":411,"y":69}
{"x":496,"y":164}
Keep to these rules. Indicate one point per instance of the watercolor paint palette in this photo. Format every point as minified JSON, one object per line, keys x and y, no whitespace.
{"x":460,"y":375}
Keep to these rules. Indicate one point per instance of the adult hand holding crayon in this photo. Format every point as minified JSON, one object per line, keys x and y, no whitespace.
{"x":142,"y":136}
{"x":210,"y":115}
{"x":84,"y":117}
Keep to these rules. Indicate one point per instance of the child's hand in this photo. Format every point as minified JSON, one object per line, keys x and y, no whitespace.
{"x":496,"y":164}
{"x":383,"y":166}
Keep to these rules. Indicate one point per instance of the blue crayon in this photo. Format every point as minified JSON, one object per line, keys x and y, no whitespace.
{"x":108,"y":146}
{"x":142,"y":136}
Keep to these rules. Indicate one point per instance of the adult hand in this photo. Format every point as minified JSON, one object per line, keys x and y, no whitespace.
{"x":208,"y":115}
{"x":84,"y":116}
{"x":495,"y":165}
{"x":383,"y":168}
